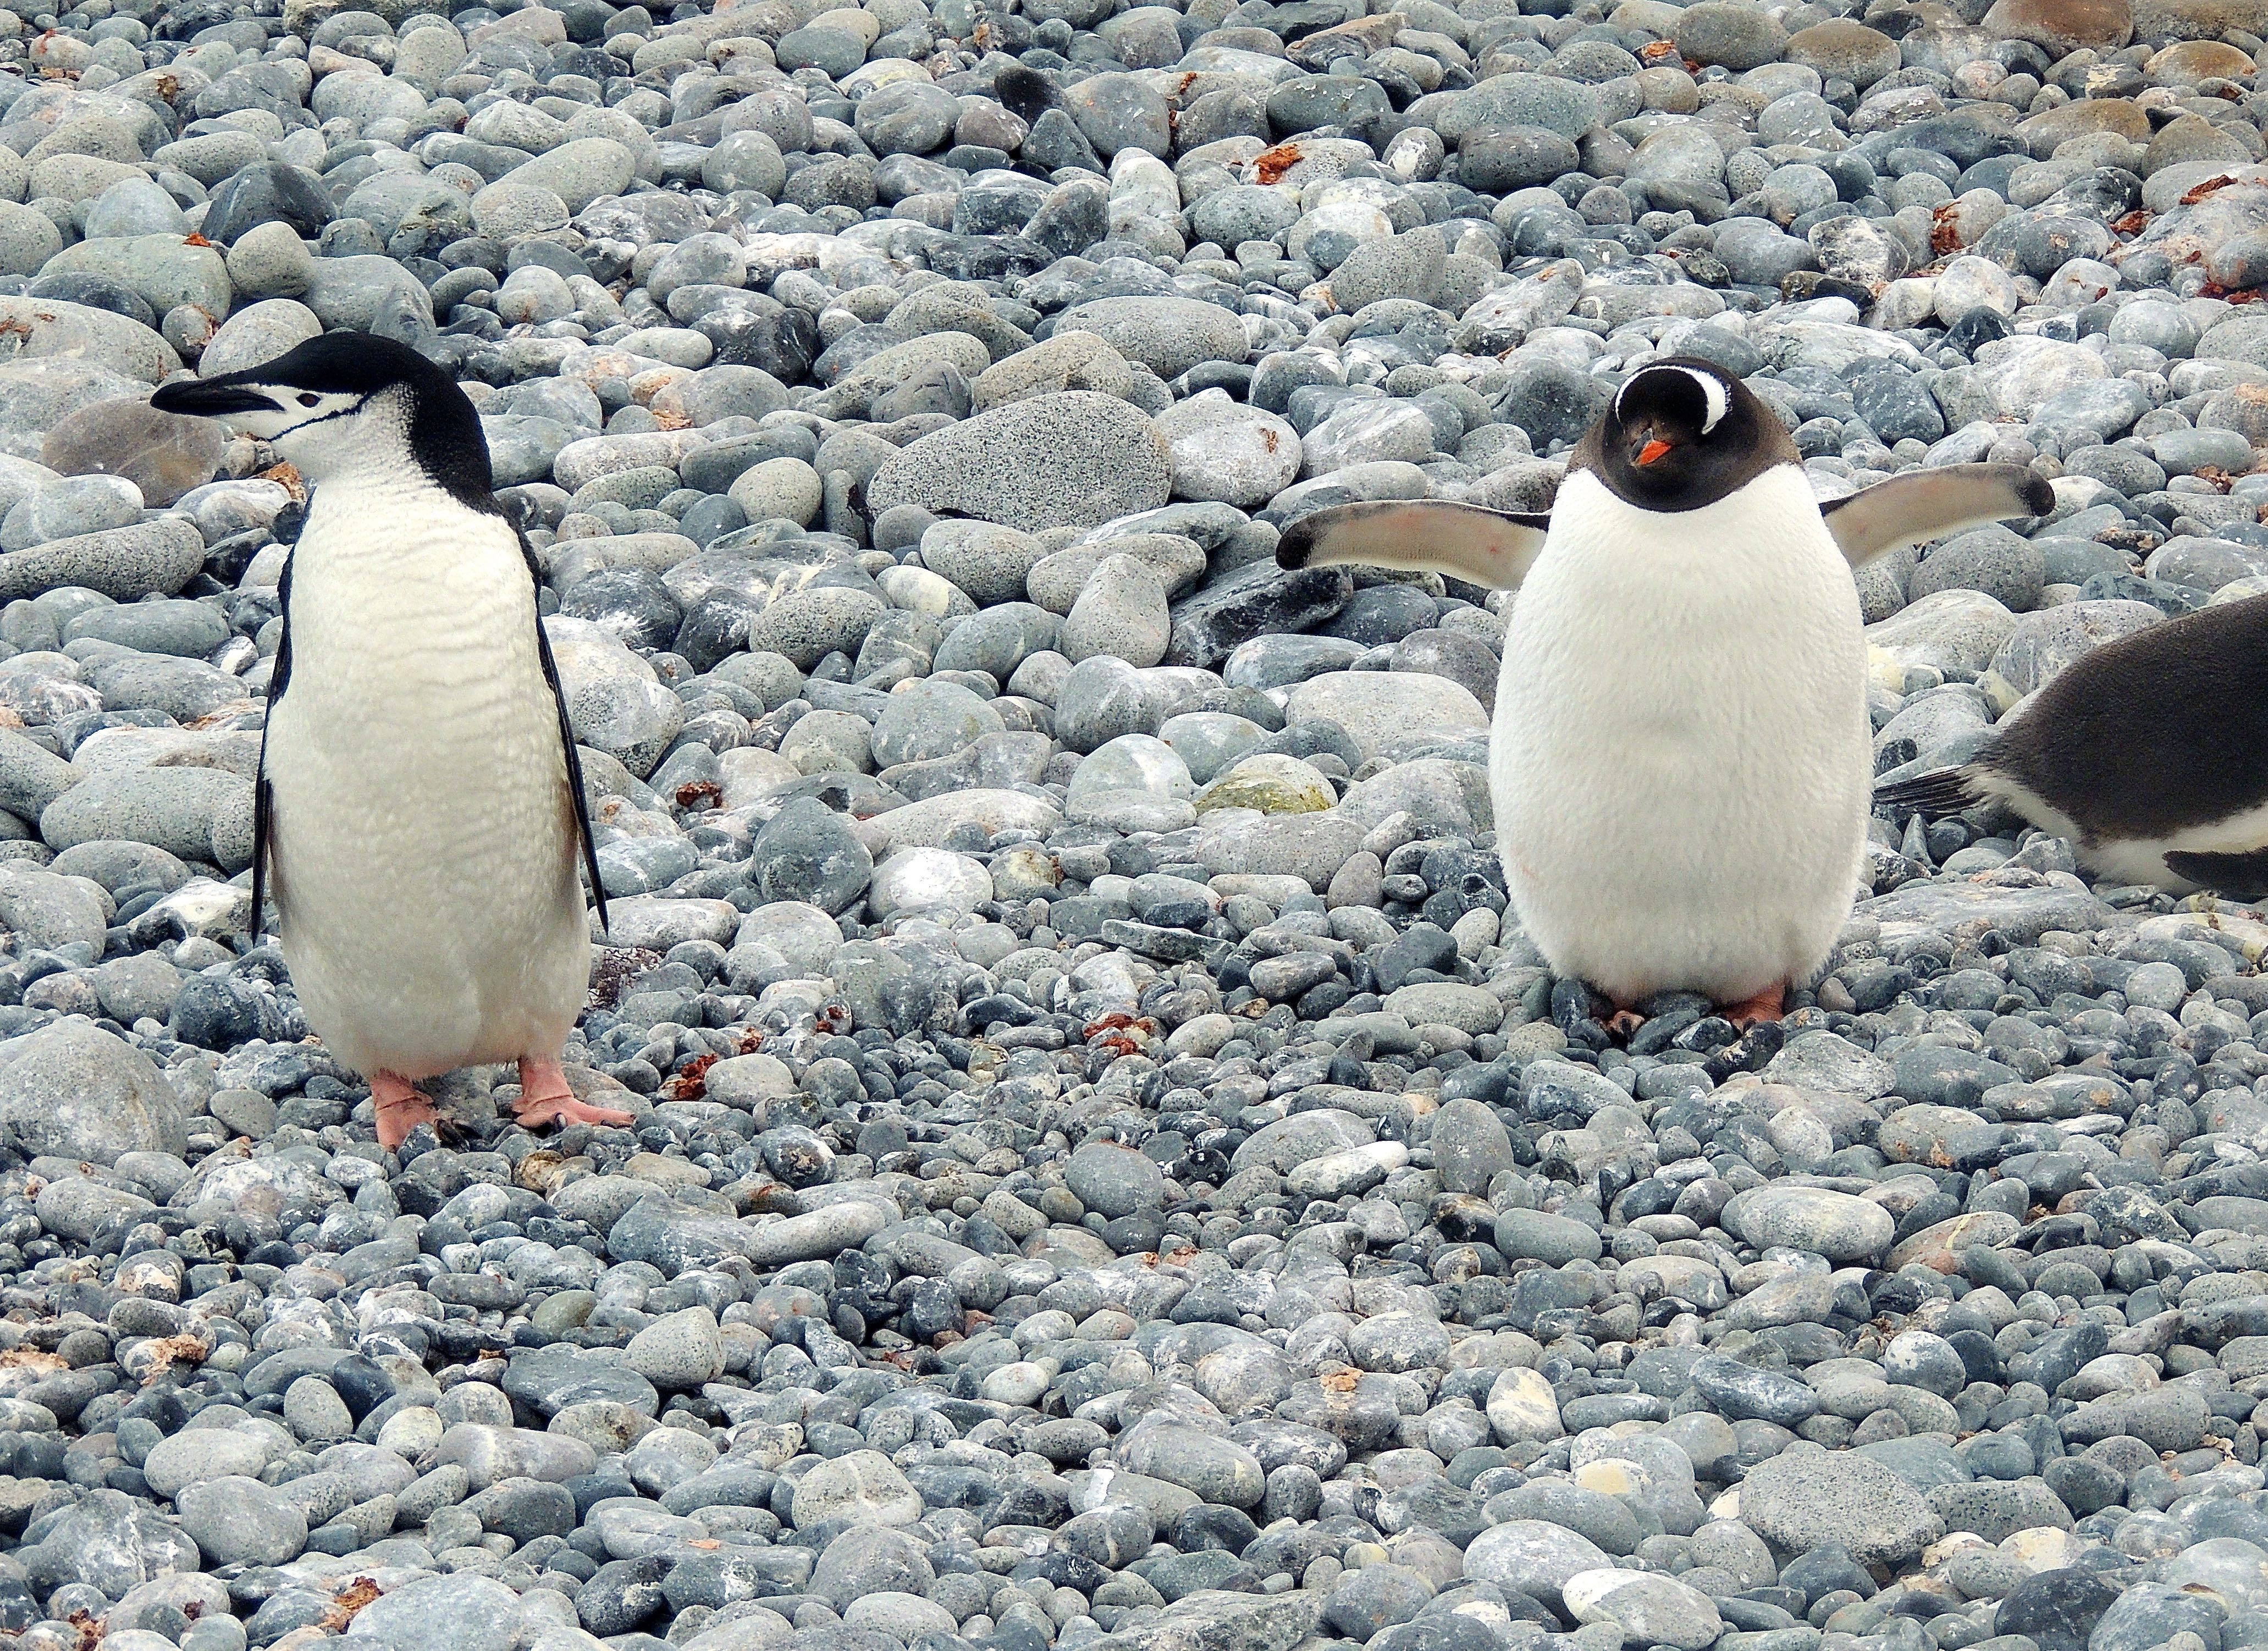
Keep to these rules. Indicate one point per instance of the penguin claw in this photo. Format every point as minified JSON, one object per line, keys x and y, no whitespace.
{"x":401,"y":1108}
{"x":1624,"y":1022}
{"x":1767,"y":1005}
{"x":567,"y":1109}
{"x":545,"y":1098}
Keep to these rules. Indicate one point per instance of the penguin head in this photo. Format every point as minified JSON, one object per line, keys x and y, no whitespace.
{"x":349,"y":400}
{"x":1681,"y":433}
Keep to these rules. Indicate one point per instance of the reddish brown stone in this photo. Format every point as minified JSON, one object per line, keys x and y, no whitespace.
{"x":1841,"y":49}
{"x":2157,"y":22}
{"x":2043,"y":134}
{"x":2058,"y":26}
{"x":2185,"y":63}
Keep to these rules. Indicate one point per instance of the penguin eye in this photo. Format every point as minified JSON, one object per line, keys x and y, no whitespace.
{"x":308,"y":398}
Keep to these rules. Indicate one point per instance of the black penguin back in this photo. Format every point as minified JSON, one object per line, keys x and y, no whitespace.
{"x":2159,"y":731}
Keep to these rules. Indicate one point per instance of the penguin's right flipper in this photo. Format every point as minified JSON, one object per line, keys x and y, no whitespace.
{"x":578,"y":799}
{"x":1490,"y":548}
{"x":1925,"y":504}
{"x":2238,"y":876}
{"x":1945,"y":791}
{"x":263,"y":797}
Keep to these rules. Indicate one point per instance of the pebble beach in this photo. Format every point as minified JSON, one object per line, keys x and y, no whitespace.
{"x":1107,"y":1171}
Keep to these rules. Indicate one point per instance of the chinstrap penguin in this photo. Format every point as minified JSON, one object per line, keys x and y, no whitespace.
{"x":2150,"y":754}
{"x":1679,"y":758}
{"x":419,"y":814}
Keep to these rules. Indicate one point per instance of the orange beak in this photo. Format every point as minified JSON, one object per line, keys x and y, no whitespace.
{"x":1653,"y":451}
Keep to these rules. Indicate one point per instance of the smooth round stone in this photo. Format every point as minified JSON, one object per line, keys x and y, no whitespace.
{"x":1057,"y":581}
{"x":1209,"y":741}
{"x":1534,"y":1556}
{"x":1502,"y":158}
{"x":907,"y":118}
{"x":258,"y":334}
{"x":806,"y":626}
{"x":1272,"y":783}
{"x":783,"y":489}
{"x":238,"y":1520}
{"x":469,"y":1612}
{"x":1223,"y":450}
{"x":1552,"y":1239}
{"x":1217,"y":1469}
{"x":678,"y":1351}
{"x":1804,"y":1499}
{"x":1242,"y":212}
{"x":1135,"y":776}
{"x":1121,"y":112}
{"x":313,"y":1410}
{"x":1791,"y":191}
{"x":2060,"y":27}
{"x":201,"y":1455}
{"x":1169,"y":336}
{"x":1114,"y":1180}
{"x":135,"y":207}
{"x":988,"y":561}
{"x":28,"y":239}
{"x":928,"y":880}
{"x":1756,"y":251}
{"x":1970,"y":283}
{"x":2161,"y":326}
{"x":616,"y":702}
{"x":1120,"y":613}
{"x":1020,"y":1384}
{"x":64,"y":509}
{"x":1375,"y":1597}
{"x":747,"y":159}
{"x":1836,"y":1225}
{"x":924,"y":720}
{"x":1648,"y":1608}
{"x":906,"y":1618}
{"x":509,"y":210}
{"x":863,"y":1487}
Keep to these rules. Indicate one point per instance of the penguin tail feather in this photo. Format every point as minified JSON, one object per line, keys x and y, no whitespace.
{"x":1945,"y":791}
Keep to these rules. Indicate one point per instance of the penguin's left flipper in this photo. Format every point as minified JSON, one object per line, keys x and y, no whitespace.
{"x":1925,"y":504}
{"x":580,"y":802}
{"x":1489,"y":548}
{"x":2238,"y":876}
{"x":263,"y":797}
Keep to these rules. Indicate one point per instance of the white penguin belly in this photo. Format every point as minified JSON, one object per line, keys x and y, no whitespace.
{"x":423,"y":846}
{"x":2135,"y":859}
{"x":1680,"y":759}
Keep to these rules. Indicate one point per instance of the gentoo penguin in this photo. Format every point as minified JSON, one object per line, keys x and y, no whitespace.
{"x":1679,"y":760}
{"x":419,"y":811}
{"x":2150,"y":754}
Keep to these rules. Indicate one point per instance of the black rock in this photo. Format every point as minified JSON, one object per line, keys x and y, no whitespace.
{"x":631,"y":605}
{"x":2056,"y":1609}
{"x":216,"y":1013}
{"x":1253,"y":601}
{"x":267,"y":191}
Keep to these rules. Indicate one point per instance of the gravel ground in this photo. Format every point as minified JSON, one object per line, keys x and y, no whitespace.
{"x":1108,"y":1172}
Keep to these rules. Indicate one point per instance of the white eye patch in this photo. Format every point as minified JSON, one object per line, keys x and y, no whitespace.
{"x":1715,"y":400}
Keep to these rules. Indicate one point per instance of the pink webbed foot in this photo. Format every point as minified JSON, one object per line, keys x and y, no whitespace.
{"x":1765,"y":1006}
{"x":545,"y":1098}
{"x":1623,"y":1021}
{"x":401,"y":1108}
